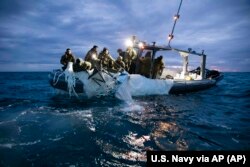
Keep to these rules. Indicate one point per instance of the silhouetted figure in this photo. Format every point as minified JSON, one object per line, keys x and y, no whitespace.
{"x":67,"y":57}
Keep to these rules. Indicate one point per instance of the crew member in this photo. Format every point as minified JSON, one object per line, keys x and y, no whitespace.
{"x":124,"y":57}
{"x":106,"y":59}
{"x":158,"y":67}
{"x":145,"y":64}
{"x":119,"y":64}
{"x":67,"y":57}
{"x":131,"y":60}
{"x":81,"y":65}
{"x":91,"y":57}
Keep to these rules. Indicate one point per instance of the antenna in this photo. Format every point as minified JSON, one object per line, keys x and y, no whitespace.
{"x":176,"y":17}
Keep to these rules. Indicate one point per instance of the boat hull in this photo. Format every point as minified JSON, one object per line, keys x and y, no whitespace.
{"x":191,"y":86}
{"x":57,"y":81}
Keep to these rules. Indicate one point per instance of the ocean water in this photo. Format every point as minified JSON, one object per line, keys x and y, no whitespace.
{"x":39,"y":127}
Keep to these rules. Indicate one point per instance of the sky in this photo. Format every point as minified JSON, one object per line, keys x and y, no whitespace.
{"x":35,"y":34}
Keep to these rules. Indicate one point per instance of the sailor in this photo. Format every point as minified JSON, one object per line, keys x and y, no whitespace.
{"x":106,"y":59}
{"x":91,"y":57}
{"x":124,"y":57}
{"x":158,"y":67}
{"x":131,"y":59}
{"x":81,"y":65}
{"x":145,"y":64}
{"x":67,"y":57}
{"x":119,"y":64}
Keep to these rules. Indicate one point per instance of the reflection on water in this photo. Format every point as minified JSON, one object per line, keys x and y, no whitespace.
{"x":43,"y":129}
{"x":168,"y":136}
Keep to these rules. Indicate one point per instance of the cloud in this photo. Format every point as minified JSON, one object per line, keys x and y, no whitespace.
{"x":34,"y":32}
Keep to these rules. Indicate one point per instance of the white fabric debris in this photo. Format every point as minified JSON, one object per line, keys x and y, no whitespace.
{"x":70,"y":79}
{"x":122,"y":85}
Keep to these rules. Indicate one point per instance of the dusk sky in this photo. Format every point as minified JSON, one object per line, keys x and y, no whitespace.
{"x":34,"y":34}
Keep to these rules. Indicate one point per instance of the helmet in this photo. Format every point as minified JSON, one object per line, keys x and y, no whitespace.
{"x":119,"y":50}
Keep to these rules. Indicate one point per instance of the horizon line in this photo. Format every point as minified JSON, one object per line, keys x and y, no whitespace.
{"x":50,"y":71}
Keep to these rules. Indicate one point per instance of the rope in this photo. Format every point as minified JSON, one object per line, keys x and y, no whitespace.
{"x":71,"y":80}
{"x":177,"y":15}
{"x":54,"y":83}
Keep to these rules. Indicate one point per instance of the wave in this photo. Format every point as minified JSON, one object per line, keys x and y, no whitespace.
{"x":11,"y":145}
{"x":11,"y":102}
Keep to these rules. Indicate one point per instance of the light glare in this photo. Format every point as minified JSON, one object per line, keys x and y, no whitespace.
{"x":129,"y":43}
{"x":141,"y":45}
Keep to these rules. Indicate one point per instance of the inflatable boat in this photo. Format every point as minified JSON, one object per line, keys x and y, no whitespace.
{"x":179,"y":86}
{"x":102,"y":81}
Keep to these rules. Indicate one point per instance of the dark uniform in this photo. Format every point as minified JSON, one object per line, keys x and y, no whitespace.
{"x":130,"y":60}
{"x":158,"y":67}
{"x":81,"y":65}
{"x":119,"y":64}
{"x":145,"y":65}
{"x":67,"y":57}
{"x":124,"y":58}
{"x":91,"y":57}
{"x":106,"y":59}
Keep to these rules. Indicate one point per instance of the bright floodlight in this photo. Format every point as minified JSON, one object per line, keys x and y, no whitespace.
{"x":141,"y":45}
{"x":129,"y":43}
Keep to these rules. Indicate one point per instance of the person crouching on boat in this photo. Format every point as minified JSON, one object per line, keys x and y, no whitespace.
{"x":123,"y":55}
{"x":106,"y":59}
{"x":67,"y":57}
{"x":91,"y":57}
{"x":81,"y":65}
{"x":119,"y":64}
{"x":158,"y":67}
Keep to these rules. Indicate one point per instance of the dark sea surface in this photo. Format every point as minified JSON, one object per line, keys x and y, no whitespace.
{"x":41,"y":128}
